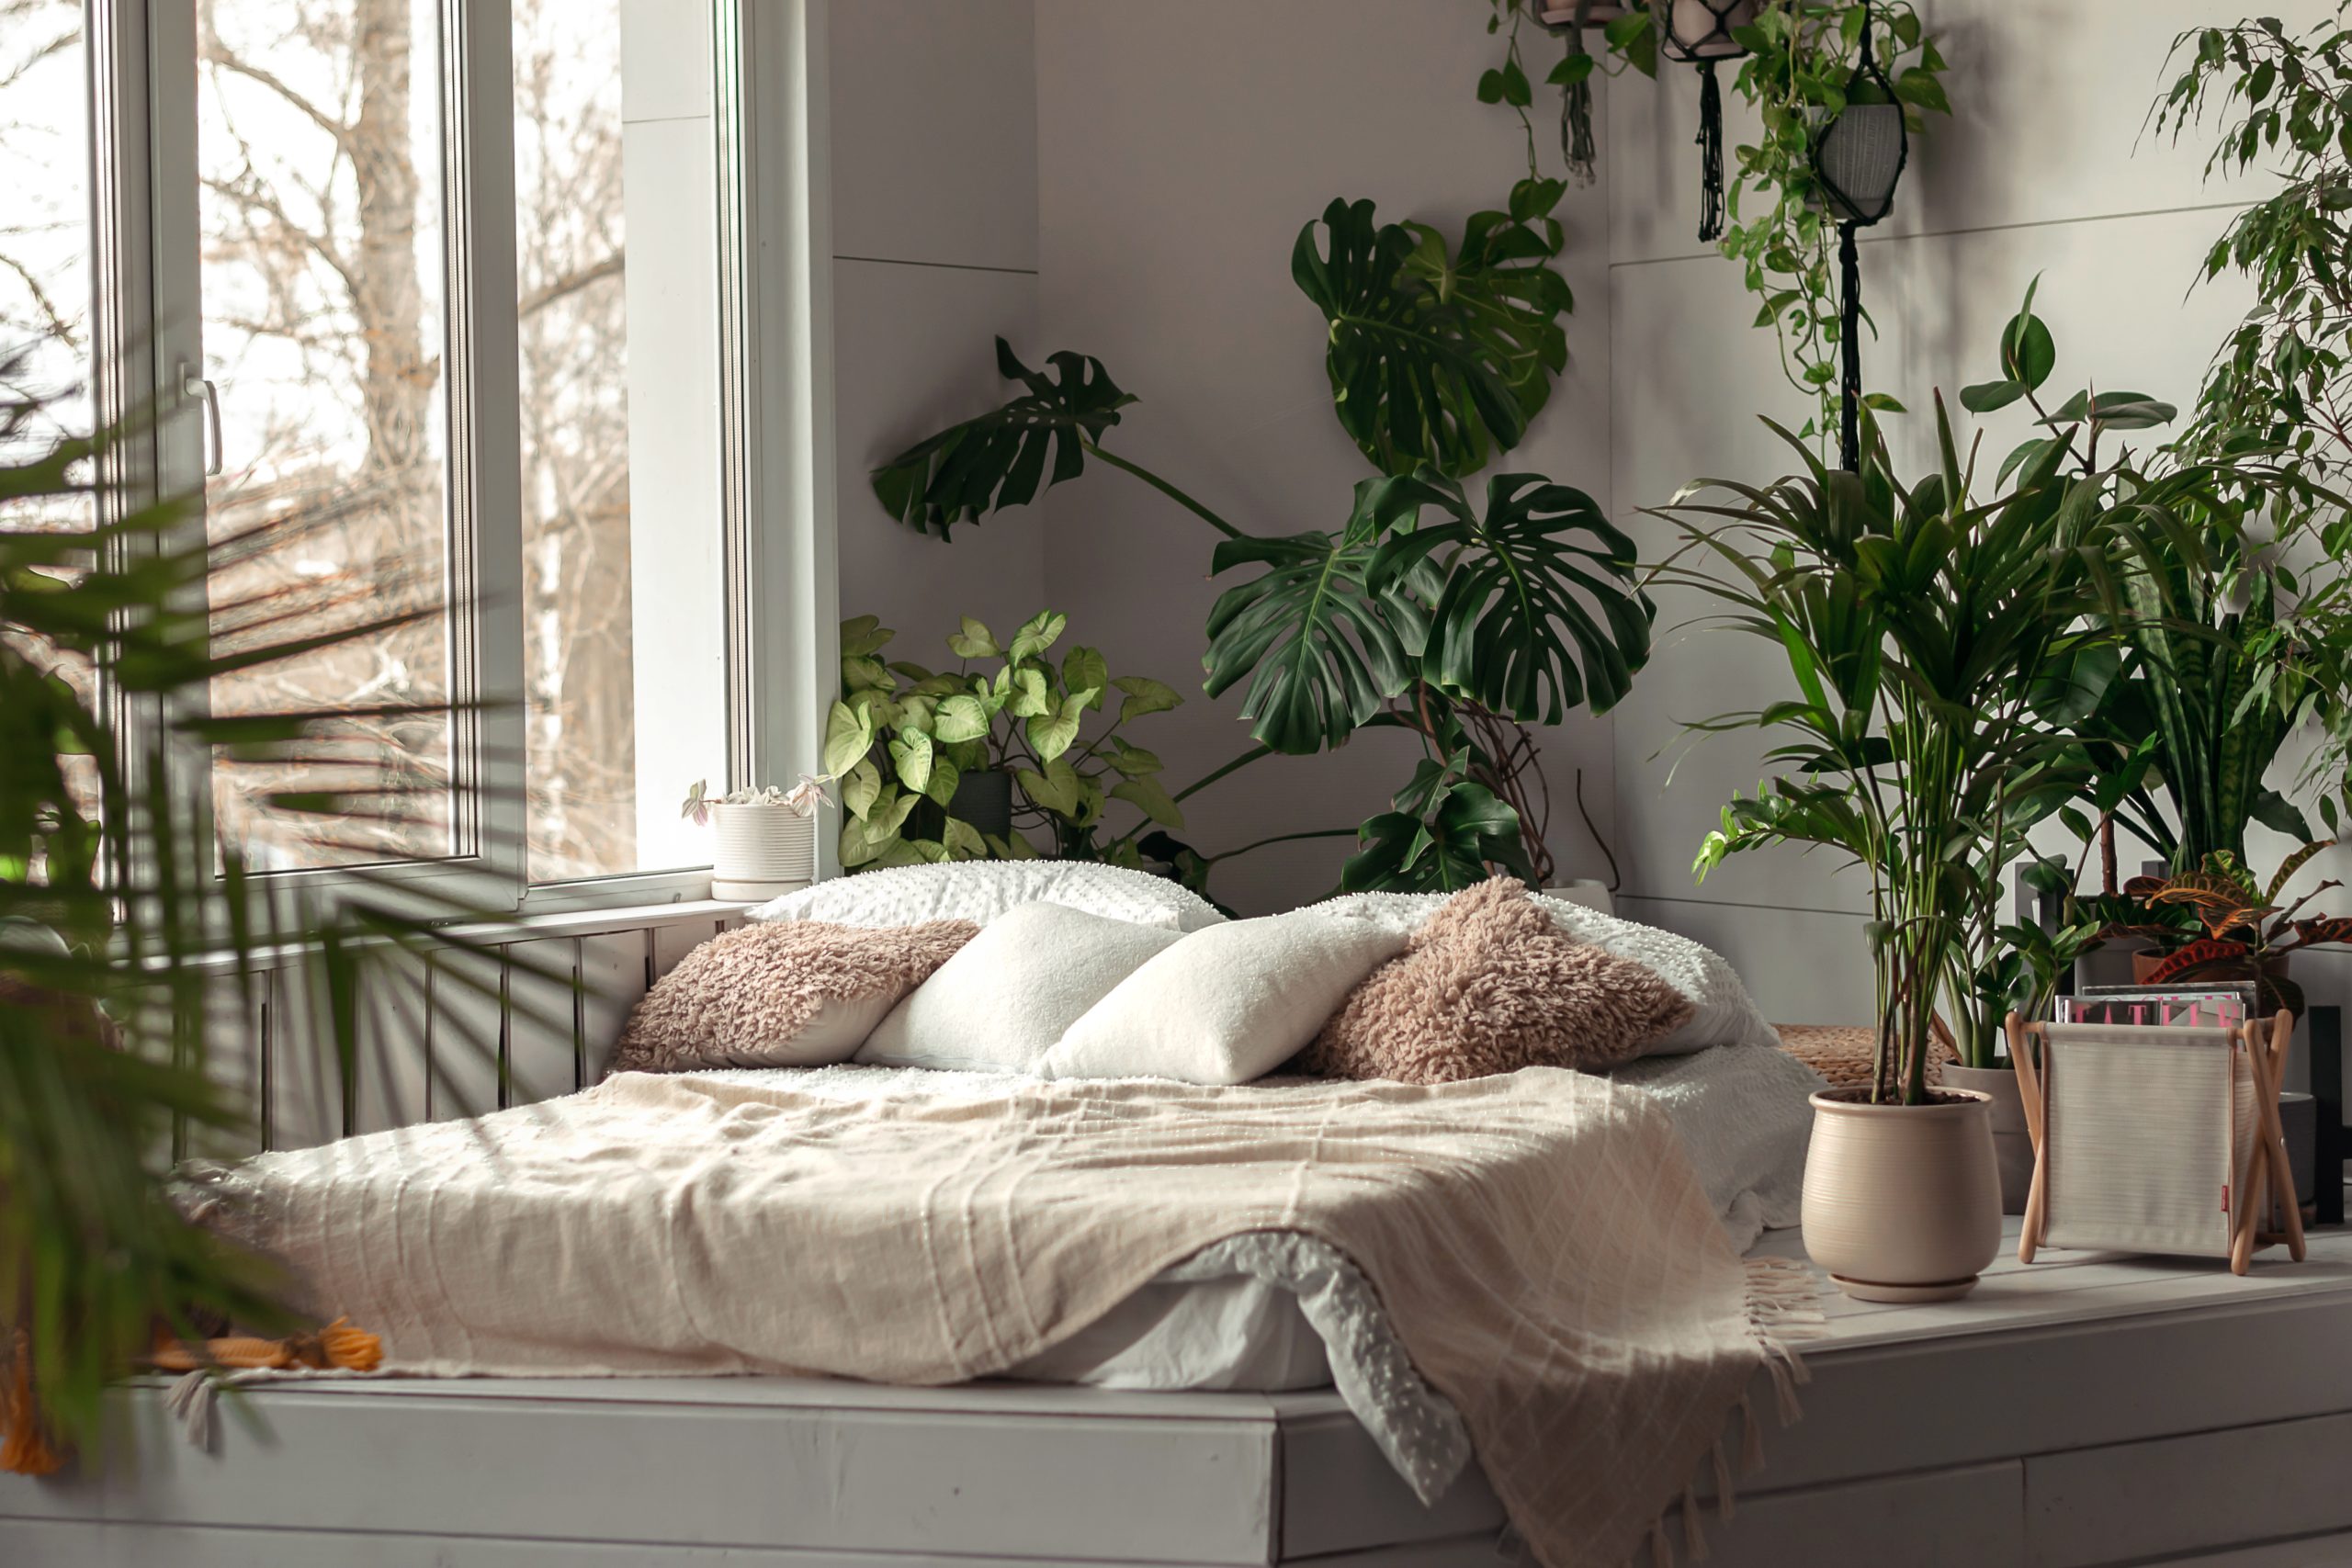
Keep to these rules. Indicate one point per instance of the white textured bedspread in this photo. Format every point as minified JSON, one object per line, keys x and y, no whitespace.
{"x":1544,"y":1250}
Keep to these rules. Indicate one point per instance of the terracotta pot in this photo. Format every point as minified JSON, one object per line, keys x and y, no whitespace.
{"x":1903,"y":1203}
{"x":2012,"y":1143}
{"x":2145,"y":965}
{"x":763,"y":852}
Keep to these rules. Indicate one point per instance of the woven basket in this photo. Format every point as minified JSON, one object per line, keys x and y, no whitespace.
{"x":1841,"y":1052}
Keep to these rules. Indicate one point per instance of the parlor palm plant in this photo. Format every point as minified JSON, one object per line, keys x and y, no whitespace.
{"x":125,"y":922}
{"x":1922,"y":628}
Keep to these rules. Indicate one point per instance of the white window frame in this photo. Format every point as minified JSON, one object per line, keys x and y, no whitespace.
{"x":775,"y":355}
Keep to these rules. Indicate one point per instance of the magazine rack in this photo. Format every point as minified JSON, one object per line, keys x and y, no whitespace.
{"x":2156,"y":1138}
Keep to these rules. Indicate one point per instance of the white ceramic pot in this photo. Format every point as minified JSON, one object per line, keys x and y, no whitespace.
{"x":1902,"y":1202}
{"x":2012,"y":1143}
{"x":1691,"y":22}
{"x":763,"y":852}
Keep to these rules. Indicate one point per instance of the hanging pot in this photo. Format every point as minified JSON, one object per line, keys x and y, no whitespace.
{"x":763,"y":852}
{"x":1902,"y":1202}
{"x":1699,"y":32}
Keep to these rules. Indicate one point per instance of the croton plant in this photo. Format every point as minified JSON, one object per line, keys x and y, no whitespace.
{"x":2219,"y":923}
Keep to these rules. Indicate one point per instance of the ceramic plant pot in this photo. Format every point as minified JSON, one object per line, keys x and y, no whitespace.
{"x":763,"y":852}
{"x":1902,"y":1202}
{"x":2012,"y":1143}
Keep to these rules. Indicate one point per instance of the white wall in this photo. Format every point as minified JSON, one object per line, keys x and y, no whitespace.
{"x":1180,"y":149}
{"x":935,"y":171}
{"x":2045,"y":170}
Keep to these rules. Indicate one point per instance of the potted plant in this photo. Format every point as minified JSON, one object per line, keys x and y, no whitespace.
{"x":968,"y":763}
{"x":1919,"y":625}
{"x":767,"y":838}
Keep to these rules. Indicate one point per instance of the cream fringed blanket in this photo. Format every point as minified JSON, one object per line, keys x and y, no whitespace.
{"x":1540,"y":1243}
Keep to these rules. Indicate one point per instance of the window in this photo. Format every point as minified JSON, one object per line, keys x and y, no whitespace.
{"x":434,"y":292}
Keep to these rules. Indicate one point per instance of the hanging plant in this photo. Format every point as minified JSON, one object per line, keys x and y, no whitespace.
{"x":1802,"y":55}
{"x":1626,"y":33}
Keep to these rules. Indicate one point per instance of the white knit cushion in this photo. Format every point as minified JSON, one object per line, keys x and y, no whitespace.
{"x":981,"y":890}
{"x":1228,"y":1004}
{"x":1722,"y":1012}
{"x":1003,"y":1001}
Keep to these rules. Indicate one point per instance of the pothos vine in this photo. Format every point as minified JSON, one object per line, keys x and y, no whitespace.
{"x":1799,"y":55}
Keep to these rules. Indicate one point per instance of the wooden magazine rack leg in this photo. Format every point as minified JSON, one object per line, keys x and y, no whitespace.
{"x":2036,"y":1203}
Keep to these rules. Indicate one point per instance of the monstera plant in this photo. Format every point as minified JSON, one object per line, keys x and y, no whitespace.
{"x":1463,"y":622}
{"x":903,"y":738}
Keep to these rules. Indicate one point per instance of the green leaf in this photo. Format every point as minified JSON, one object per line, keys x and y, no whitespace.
{"x":1051,"y":733}
{"x":945,"y":776}
{"x":960,"y":717}
{"x":1025,"y":694}
{"x":861,"y":787}
{"x":848,"y":735}
{"x":1320,"y":652}
{"x":864,"y":634}
{"x":1515,"y":627}
{"x":1149,"y":794}
{"x":1133,"y":761}
{"x":1986,"y":395}
{"x":1410,"y":381}
{"x":1038,"y":633}
{"x":1572,"y":69}
{"x":1920,"y":86}
{"x":911,"y":758}
{"x":1083,"y":668}
{"x":965,"y":841}
{"x":1145,"y":695}
{"x":2027,"y":353}
{"x":974,"y":641}
{"x":867,"y":675}
{"x":999,"y":459}
{"x":1057,"y":789}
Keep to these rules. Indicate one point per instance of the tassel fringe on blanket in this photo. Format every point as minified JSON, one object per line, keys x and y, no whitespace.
{"x":1783,"y":1307}
{"x":28,"y":1448}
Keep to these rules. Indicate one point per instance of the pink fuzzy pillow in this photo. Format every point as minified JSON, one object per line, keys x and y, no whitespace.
{"x":782,"y":994}
{"x":1490,"y":984}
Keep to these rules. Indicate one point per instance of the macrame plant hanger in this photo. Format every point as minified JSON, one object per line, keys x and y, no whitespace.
{"x":1857,"y":157}
{"x":1691,"y":45}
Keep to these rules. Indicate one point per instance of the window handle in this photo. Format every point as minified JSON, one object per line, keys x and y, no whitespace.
{"x":195,"y":386}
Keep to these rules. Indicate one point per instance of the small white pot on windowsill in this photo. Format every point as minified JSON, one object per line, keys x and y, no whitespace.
{"x":767,"y":839}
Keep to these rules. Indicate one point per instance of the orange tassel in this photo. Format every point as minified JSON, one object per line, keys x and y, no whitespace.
{"x":336,"y":1345}
{"x":25,"y":1446}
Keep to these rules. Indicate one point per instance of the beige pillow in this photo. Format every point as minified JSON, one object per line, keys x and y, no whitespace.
{"x":1491,"y":985}
{"x":1227,"y":1004}
{"x":787,"y":994}
{"x":1002,"y":1003}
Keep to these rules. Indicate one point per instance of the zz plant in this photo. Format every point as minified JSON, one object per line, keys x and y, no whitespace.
{"x":903,"y":736}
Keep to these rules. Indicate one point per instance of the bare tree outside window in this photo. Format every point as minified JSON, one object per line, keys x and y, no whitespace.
{"x":322,"y":266}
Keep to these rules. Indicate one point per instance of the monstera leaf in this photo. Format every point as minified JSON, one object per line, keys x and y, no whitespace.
{"x":1443,"y":834}
{"x":1523,"y":584}
{"x":1321,"y":652}
{"x":1500,"y":287}
{"x":1413,"y":383}
{"x":999,"y":458}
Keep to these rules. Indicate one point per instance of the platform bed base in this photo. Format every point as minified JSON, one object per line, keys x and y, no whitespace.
{"x":2101,"y":1439}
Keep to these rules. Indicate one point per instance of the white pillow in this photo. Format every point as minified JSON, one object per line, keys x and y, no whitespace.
{"x":1722,"y":1012}
{"x":1006,"y":996}
{"x":981,"y":890}
{"x":1228,"y":1004}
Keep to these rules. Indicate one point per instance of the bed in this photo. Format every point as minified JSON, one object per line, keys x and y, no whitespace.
{"x":1543,"y":1266}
